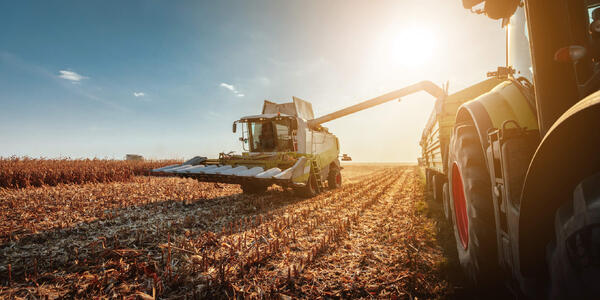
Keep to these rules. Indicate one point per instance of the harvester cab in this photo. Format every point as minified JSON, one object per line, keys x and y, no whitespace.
{"x":285,"y":145}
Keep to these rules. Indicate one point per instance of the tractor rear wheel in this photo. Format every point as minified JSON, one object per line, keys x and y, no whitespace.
{"x":573,"y":256}
{"x":253,"y":188}
{"x":472,"y":209}
{"x":334,"y":180}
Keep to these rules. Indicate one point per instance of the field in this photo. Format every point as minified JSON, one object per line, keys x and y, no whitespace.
{"x":19,"y":172}
{"x":173,"y":238}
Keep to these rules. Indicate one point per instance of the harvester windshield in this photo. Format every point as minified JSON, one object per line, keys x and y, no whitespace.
{"x":270,"y":135}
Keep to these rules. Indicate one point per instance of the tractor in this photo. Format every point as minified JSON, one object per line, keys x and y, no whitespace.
{"x":515,"y":160}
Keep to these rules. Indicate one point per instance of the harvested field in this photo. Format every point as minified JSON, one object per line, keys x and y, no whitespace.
{"x":177,"y":238}
{"x":25,"y":172}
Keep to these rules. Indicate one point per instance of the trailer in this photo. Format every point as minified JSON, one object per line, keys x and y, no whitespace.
{"x":436,"y":137}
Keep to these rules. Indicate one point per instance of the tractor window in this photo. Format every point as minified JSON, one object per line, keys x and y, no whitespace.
{"x":519,"y":56}
{"x":591,"y":11}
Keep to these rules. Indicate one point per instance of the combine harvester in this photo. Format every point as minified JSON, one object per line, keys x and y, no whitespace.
{"x":285,"y":145}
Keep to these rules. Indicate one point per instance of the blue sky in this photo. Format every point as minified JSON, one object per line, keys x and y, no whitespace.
{"x":167,"y":78}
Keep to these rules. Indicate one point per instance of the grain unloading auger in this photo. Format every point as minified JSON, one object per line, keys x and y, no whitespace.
{"x":285,"y":145}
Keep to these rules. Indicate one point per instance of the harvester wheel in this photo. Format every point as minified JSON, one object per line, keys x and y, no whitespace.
{"x":437,"y":184}
{"x":446,"y":201}
{"x":250,"y":188}
{"x":310,"y":189}
{"x":472,"y":210}
{"x":334,"y":180}
{"x":574,"y":254}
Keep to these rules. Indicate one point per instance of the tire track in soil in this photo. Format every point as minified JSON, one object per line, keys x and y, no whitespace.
{"x":307,"y":232}
{"x":386,"y":255}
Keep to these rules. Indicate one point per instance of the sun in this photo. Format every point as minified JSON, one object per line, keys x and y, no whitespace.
{"x":412,"y":46}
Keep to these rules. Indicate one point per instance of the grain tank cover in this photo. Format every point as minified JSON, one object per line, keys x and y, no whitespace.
{"x":298,"y":108}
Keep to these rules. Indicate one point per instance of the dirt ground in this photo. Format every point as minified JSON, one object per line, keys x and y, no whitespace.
{"x":375,"y":237}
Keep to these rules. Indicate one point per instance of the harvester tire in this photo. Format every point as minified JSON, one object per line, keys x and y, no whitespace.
{"x":472,"y":210}
{"x":251,"y":189}
{"x":334,"y":180}
{"x":310,"y":189}
{"x":437,"y":184}
{"x":446,"y":201}
{"x":573,"y":255}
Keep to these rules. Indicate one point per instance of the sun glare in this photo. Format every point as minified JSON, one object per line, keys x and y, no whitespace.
{"x":412,"y":46}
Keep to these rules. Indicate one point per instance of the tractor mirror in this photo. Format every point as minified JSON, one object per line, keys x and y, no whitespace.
{"x":500,"y":9}
{"x":234,"y":127}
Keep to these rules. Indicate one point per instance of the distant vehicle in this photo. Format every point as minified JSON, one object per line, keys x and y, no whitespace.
{"x":134,"y":157}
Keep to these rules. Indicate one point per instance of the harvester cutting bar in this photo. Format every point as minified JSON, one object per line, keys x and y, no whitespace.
{"x":199,"y":169}
{"x":426,"y":86}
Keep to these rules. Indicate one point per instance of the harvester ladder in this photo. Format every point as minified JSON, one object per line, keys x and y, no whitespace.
{"x":317,"y":172}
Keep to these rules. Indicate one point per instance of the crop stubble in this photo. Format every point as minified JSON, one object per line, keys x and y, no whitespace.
{"x":178,"y":238}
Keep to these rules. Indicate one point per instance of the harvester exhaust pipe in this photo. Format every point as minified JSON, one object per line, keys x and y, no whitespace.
{"x":426,"y":86}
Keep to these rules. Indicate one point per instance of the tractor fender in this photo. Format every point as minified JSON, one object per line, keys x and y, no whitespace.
{"x":566,"y":155}
{"x":504,"y":102}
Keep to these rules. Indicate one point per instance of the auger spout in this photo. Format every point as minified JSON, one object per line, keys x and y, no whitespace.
{"x":426,"y":86}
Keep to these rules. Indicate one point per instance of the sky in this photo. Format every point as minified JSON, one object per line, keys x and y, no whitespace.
{"x":166,"y":79}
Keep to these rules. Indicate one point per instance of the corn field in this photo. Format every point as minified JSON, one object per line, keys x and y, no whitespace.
{"x":18,"y":172}
{"x":174,"y":238}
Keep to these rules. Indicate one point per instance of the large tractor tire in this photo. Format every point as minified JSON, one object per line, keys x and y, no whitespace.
{"x":472,"y":210}
{"x":574,"y":254}
{"x":253,"y":188}
{"x":334,"y":179}
{"x":437,"y":187}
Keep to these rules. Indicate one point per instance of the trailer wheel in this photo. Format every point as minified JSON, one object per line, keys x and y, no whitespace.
{"x":437,"y":184}
{"x":428,"y":180}
{"x":472,"y":209}
{"x":446,"y":201}
{"x":334,"y":180}
{"x":310,"y":189}
{"x":573,"y":256}
{"x":253,"y":188}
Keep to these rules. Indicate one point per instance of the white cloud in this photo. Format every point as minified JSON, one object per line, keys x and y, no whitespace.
{"x":227,"y":86}
{"x":231,"y":88}
{"x":70,"y":75}
{"x":139,"y":94}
